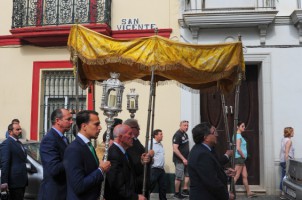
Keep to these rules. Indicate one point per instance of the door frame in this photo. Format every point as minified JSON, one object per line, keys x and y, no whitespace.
{"x":190,"y":106}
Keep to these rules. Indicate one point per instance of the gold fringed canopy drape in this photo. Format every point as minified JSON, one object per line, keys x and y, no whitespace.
{"x":196,"y":66}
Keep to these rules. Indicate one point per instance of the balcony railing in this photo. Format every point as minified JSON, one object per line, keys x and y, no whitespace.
{"x":28,"y":13}
{"x":204,"y":5}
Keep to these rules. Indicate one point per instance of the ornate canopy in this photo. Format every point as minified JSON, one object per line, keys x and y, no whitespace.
{"x":196,"y":66}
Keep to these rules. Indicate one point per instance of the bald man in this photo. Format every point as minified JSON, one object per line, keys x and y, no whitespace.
{"x":120,"y":180}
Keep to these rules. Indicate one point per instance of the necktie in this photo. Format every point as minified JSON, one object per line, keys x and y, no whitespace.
{"x":65,"y":139}
{"x":22,"y":147}
{"x":93,"y":152}
{"x":127,"y":156}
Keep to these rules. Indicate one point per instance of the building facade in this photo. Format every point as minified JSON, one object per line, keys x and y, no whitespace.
{"x":37,"y":76}
{"x":269,"y":98}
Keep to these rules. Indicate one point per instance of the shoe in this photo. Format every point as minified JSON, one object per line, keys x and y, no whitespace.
{"x":178,"y":196}
{"x":185,"y":193}
{"x":282,"y":196}
{"x":251,"y":195}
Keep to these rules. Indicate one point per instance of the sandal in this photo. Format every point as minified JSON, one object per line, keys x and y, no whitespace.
{"x":251,"y":195}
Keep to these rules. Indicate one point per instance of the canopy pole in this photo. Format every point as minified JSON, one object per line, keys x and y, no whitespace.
{"x":152,"y":129}
{"x":148,"y":130}
{"x":230,"y":146}
{"x":77,"y":78}
{"x":153,"y":115}
{"x":236,"y":115}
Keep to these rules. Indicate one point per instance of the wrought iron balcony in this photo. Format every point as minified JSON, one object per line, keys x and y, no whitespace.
{"x":34,"y":13}
{"x":207,"y":5}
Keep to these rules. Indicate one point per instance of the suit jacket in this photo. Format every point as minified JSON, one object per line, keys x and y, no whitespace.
{"x":223,"y":160}
{"x":135,"y":153}
{"x":13,"y":163}
{"x":84,"y":178}
{"x":207,"y":177}
{"x":120,"y":180}
{"x":53,"y":185}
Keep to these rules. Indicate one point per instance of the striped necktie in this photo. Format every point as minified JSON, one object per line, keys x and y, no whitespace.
{"x":65,"y":139}
{"x":93,"y":152}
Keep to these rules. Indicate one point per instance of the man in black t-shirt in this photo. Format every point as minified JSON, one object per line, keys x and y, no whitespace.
{"x":180,"y":158}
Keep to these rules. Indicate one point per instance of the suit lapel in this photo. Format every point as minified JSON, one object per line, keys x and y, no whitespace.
{"x":18,"y":148}
{"x":212,"y":153}
{"x":58,"y":138}
{"x":86,"y":150}
{"x":122,"y":155}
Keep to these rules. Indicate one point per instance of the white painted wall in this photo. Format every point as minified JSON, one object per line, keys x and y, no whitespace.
{"x":280,"y":91}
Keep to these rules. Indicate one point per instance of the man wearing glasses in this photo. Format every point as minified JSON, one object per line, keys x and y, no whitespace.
{"x":208,"y":177}
{"x":180,"y":158}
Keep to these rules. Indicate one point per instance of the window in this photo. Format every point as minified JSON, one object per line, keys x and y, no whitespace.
{"x":59,"y":91}
{"x":53,"y":85}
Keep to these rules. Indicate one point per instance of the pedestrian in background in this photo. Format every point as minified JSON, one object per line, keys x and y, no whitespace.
{"x":240,"y":157}
{"x":14,"y":121}
{"x":181,"y":151}
{"x":52,"y":148}
{"x":158,"y":174}
{"x":13,"y":164}
{"x":287,"y":152}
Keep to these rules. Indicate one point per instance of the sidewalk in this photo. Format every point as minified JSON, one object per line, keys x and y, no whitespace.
{"x":154,"y":196}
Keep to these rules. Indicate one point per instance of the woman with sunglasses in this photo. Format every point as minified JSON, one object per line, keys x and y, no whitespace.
{"x":240,"y":157}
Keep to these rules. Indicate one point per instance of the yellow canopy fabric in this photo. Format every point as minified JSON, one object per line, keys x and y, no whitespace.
{"x":196,"y":66}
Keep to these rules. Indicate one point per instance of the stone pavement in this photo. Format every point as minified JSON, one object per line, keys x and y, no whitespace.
{"x":240,"y":197}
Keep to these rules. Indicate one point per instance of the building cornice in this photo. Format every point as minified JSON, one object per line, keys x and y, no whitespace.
{"x":49,"y":36}
{"x":9,"y":40}
{"x":52,"y":35}
{"x":229,"y":19}
{"x":296,"y":17}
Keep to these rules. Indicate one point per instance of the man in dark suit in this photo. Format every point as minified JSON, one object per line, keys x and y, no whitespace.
{"x":13,"y":162}
{"x":52,"y":150}
{"x":135,"y":152}
{"x":84,"y":172}
{"x":208,"y":179}
{"x":120,"y":181}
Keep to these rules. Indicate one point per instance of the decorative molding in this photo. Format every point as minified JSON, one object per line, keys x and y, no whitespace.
{"x":48,"y":36}
{"x":262,"y":33}
{"x":211,"y":19}
{"x":52,"y":35}
{"x":9,"y":40}
{"x":226,"y":19}
{"x":283,"y":20}
{"x":128,"y":34}
{"x":296,"y":17}
{"x":195,"y":32}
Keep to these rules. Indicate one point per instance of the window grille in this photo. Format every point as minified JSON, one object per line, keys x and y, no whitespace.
{"x":59,"y":91}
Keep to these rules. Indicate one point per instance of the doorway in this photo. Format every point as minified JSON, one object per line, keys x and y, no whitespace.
{"x":211,"y":111}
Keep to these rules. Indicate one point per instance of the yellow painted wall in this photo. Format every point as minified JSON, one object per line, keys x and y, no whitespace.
{"x":5,"y":17}
{"x":16,"y":68}
{"x":163,"y":13}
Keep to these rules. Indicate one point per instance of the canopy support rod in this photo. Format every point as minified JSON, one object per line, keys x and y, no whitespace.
{"x":236,"y":115}
{"x":153,"y":115}
{"x":230,"y":146}
{"x":148,"y":130}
